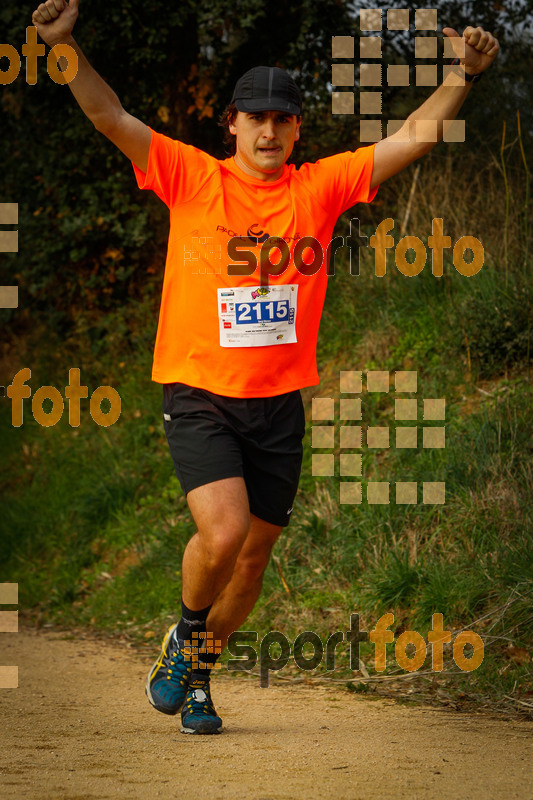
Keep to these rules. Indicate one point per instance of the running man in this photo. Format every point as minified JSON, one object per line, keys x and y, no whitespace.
{"x":233,"y":350}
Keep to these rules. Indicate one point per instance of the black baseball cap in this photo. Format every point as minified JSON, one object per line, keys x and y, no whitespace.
{"x":267,"y":89}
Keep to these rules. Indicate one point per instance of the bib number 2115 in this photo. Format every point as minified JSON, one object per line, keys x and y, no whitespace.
{"x":247,"y":313}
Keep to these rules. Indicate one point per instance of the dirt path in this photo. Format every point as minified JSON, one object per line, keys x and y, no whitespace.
{"x":79,"y":727}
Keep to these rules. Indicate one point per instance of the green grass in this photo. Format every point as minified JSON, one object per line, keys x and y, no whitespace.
{"x":94,"y":522}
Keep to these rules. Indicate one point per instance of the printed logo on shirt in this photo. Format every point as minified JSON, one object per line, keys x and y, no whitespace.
{"x":257,"y":237}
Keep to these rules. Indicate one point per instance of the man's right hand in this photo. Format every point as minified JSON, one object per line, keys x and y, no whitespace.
{"x":55,"y":20}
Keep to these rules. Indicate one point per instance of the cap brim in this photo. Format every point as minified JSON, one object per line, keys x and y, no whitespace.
{"x":268,"y":104}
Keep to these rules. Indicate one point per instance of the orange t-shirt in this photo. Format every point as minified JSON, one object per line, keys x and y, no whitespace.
{"x":216,"y":331}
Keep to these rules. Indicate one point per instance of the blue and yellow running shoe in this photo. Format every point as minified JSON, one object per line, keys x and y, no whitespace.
{"x":198,"y":714}
{"x":166,"y":687}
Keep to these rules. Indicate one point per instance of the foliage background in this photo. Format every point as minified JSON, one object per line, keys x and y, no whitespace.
{"x":93,"y":515}
{"x":88,"y":235}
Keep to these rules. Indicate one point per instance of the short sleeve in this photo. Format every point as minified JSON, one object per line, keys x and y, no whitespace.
{"x":343,"y":180}
{"x":176,"y":171}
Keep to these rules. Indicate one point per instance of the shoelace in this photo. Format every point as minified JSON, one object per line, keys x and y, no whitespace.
{"x":199,"y":699}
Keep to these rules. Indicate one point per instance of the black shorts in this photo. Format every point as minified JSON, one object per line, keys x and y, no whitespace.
{"x":212,"y":437}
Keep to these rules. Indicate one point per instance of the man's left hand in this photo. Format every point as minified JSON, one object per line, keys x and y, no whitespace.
{"x":480,"y":48}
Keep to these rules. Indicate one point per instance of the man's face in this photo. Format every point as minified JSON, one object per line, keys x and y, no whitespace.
{"x":265,"y":140}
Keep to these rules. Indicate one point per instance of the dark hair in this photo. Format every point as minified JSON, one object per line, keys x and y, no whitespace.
{"x":226,"y":119}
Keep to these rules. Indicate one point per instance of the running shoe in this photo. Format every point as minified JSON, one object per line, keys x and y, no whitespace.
{"x":198,"y":714}
{"x":166,"y":686}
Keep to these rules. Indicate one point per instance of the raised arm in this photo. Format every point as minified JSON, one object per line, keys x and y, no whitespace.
{"x":395,"y":152}
{"x":54,"y":21}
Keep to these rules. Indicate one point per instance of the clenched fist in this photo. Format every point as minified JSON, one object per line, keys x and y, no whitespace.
{"x":55,"y":20}
{"x":476,"y":49}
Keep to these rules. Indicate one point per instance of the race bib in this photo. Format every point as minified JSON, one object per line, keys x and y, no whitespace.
{"x":256,"y":316}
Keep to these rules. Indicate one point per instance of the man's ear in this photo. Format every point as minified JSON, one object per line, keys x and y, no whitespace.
{"x":231,"y":127}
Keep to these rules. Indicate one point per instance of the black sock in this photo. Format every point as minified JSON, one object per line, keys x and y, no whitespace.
{"x":205,"y":666}
{"x":191,"y":622}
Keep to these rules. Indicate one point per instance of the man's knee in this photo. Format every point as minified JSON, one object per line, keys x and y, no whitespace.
{"x":248,"y":570}
{"x":222,"y":515}
{"x":223,"y":542}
